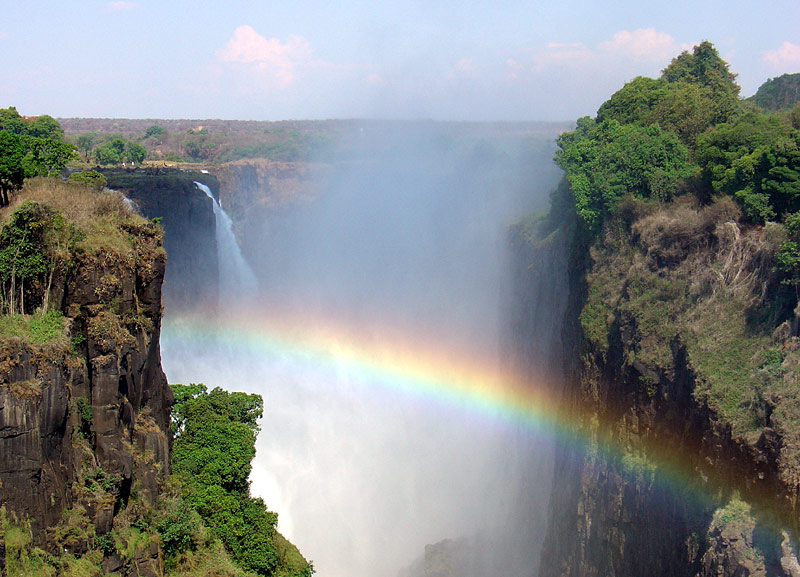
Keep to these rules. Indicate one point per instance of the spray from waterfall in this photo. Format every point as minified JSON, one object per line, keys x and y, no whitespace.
{"x":403,"y":249}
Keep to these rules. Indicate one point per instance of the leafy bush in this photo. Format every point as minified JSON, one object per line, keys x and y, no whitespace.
{"x":179,"y":527}
{"x":89,"y":178}
{"x":606,"y":161}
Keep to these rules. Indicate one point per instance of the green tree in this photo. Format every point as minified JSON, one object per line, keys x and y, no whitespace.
{"x":634,"y":102}
{"x":118,"y":150}
{"x":215,"y":433}
{"x":85,"y":143}
{"x":111,"y":151}
{"x":155,"y":132}
{"x":756,"y":159}
{"x":46,"y":156}
{"x":45,"y":126}
{"x":12,"y":170}
{"x":608,"y":160}
{"x":23,"y":253}
{"x":11,"y":120}
{"x":705,"y":68}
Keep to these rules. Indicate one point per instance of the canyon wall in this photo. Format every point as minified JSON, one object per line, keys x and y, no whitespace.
{"x":187,"y":217}
{"x":681,"y":390}
{"x":84,"y":418}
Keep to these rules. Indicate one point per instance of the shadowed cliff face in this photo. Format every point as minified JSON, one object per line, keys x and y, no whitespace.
{"x":686,"y":470}
{"x":187,"y":217}
{"x":81,"y":423}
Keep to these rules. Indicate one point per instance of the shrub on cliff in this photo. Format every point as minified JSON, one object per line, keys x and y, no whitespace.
{"x":607,"y":160}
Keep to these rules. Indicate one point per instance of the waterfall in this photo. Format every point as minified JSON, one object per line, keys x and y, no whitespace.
{"x":236,"y":278}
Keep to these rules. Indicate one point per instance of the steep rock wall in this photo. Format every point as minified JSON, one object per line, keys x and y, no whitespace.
{"x":687,"y":426}
{"x":84,"y":426}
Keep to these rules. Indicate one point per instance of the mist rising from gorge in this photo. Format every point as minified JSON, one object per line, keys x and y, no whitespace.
{"x":403,"y":248}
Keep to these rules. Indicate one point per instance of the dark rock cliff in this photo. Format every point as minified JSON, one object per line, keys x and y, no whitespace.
{"x":187,"y":217}
{"x":681,"y":384}
{"x":84,"y":424}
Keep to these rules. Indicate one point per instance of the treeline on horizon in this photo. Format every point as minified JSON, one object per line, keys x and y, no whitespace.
{"x":218,"y":141}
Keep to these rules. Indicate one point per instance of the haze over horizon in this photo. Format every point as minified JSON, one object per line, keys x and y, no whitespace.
{"x":308,"y":60}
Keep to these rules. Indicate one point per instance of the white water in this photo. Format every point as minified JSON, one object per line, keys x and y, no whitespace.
{"x":236,"y":278}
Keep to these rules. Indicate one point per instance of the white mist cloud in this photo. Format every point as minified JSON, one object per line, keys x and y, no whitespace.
{"x":787,"y":55}
{"x":374,"y":79}
{"x":120,"y":6}
{"x":643,"y":43}
{"x":272,"y":58}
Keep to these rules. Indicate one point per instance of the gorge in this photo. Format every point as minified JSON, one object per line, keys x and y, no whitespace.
{"x":466,"y":360}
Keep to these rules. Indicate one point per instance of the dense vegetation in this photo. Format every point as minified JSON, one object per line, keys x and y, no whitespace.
{"x":215,"y":433}
{"x":687,"y":133}
{"x":28,"y":148}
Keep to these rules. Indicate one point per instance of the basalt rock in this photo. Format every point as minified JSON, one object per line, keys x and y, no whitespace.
{"x":84,"y":424}
{"x":187,"y":217}
{"x":673,"y":478}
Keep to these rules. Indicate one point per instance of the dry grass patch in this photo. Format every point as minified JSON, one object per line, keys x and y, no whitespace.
{"x":105,"y":217}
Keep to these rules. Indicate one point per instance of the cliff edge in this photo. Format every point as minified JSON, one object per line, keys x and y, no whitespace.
{"x":84,"y":404}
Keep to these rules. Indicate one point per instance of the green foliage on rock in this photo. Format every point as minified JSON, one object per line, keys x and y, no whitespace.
{"x":780,"y":93}
{"x":215,"y":433}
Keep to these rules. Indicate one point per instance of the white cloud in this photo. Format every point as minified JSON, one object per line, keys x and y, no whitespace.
{"x":642,"y":44}
{"x":120,"y":6}
{"x":787,"y":55}
{"x":637,"y":50}
{"x":374,"y":79}
{"x":269,"y":56}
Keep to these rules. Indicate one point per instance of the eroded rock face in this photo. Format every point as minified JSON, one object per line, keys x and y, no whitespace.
{"x":82,"y":423}
{"x":666,"y":482}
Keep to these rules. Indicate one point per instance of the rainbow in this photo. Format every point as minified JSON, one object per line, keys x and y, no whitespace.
{"x":424,"y":368}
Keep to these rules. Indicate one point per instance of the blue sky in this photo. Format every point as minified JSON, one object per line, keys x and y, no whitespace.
{"x":296,"y":59}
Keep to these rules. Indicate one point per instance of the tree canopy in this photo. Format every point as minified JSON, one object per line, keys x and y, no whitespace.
{"x":28,"y":148}
{"x":685,"y":131}
{"x":215,"y":433}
